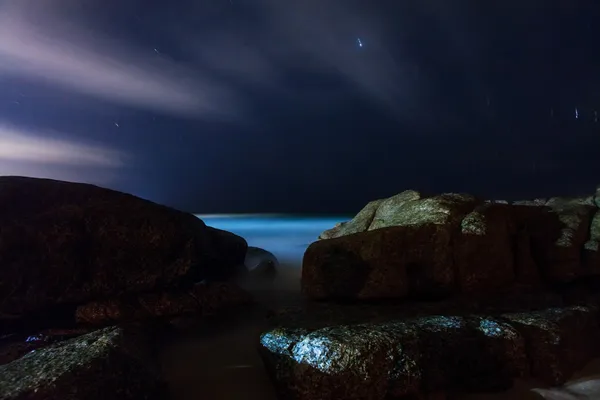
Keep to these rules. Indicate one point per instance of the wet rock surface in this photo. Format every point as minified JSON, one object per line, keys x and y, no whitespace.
{"x":108,"y":363}
{"x":400,"y":355}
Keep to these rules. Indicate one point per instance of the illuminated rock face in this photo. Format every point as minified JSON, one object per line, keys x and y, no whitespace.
{"x":396,"y":356}
{"x":415,"y":246}
{"x":108,"y":363}
{"x":477,"y":293}
{"x":66,"y":244}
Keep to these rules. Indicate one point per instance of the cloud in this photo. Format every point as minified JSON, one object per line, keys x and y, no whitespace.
{"x":43,"y":41}
{"x":35,"y":147}
{"x":320,"y":38}
{"x":37,"y":41}
{"x":35,"y":154}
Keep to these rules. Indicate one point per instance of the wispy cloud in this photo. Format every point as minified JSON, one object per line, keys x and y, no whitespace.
{"x":37,"y":41}
{"x":36,"y":147}
{"x":334,"y":37}
{"x":39,"y":154}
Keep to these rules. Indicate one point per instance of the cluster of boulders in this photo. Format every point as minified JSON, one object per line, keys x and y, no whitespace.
{"x":427,"y":295}
{"x":90,"y":277}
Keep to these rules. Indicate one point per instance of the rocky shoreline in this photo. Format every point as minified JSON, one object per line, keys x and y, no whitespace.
{"x":416,"y":297}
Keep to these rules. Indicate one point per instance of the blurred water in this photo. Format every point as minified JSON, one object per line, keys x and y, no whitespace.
{"x":204,"y":363}
{"x":286,"y":236}
{"x":221,"y":361}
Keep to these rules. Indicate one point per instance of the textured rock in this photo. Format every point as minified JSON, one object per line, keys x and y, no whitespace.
{"x":359,"y":223}
{"x":429,"y":247}
{"x":406,"y":356}
{"x":591,"y":248}
{"x":14,"y":346}
{"x":110,"y":363}
{"x":383,"y":263}
{"x":483,"y":250}
{"x":407,"y":250}
{"x":395,"y":354}
{"x":68,"y":243}
{"x":559,"y":341}
{"x":562,"y":261}
{"x":202,"y":300}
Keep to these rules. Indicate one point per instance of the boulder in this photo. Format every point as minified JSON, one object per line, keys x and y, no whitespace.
{"x":14,"y":346}
{"x":561,"y":261}
{"x":200,"y":301}
{"x":406,"y":250}
{"x":114,"y":363}
{"x":359,"y":223}
{"x":560,"y":341}
{"x":483,"y":251}
{"x":430,"y":247}
{"x":414,"y":356}
{"x":67,"y":243}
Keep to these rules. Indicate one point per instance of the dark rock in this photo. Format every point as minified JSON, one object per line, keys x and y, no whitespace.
{"x":394,"y":358}
{"x":114,"y":363}
{"x":70,"y":243}
{"x":265,"y":271}
{"x":559,"y":340}
{"x":360,"y":351}
{"x":483,"y":250}
{"x":431,"y":247}
{"x":14,"y":346}
{"x":200,"y":301}
{"x":534,"y":202}
{"x":228,"y":250}
{"x":591,"y":248}
{"x":360,"y":223}
{"x":407,"y":250}
{"x":561,"y":262}
{"x":255,"y":256}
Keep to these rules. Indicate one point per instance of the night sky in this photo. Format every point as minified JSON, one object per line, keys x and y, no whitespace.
{"x":311,"y":106}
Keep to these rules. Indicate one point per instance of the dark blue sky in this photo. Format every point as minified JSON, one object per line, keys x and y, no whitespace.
{"x":227,"y":106}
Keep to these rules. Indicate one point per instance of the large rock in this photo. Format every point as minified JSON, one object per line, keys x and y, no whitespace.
{"x":483,"y":250}
{"x":405,"y":356}
{"x":560,"y":341}
{"x":70,"y":243}
{"x":406,"y":250}
{"x":433,"y":246}
{"x":113,"y":363}
{"x":561,"y":261}
{"x":359,"y":223}
{"x":200,"y":301}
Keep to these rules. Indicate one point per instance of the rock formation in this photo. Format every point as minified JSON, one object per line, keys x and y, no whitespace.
{"x":108,"y":363}
{"x":415,"y":246}
{"x":76,"y":258}
{"x":419,"y":295}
